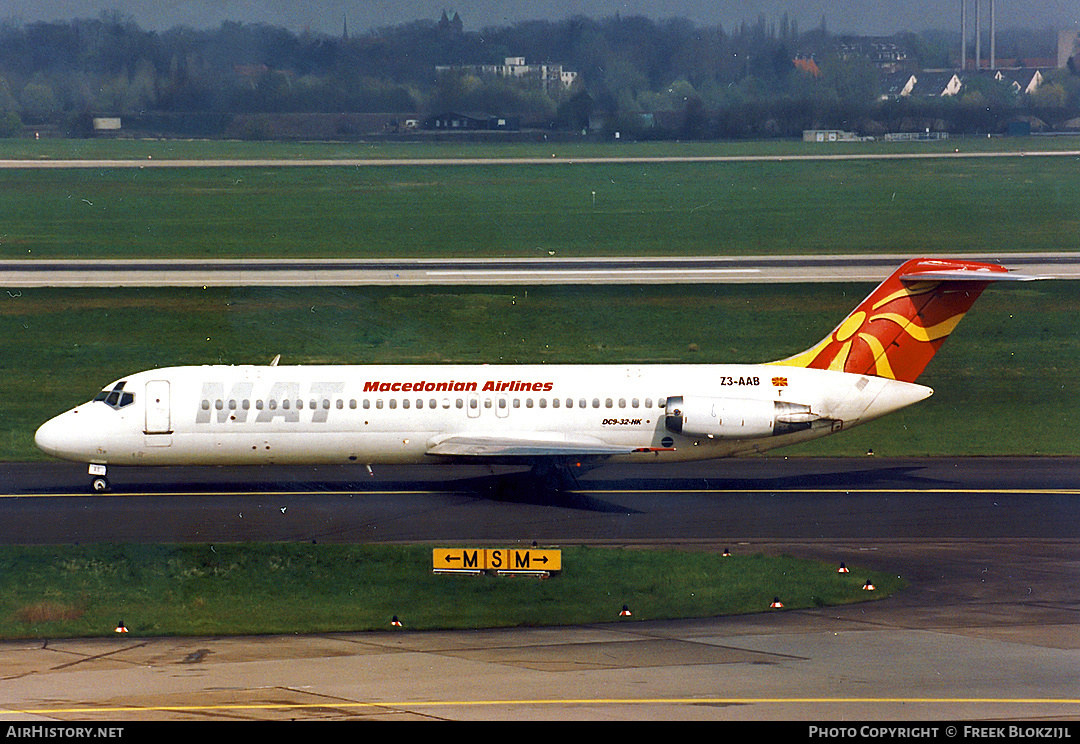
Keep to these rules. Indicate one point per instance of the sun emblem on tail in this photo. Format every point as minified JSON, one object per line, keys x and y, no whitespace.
{"x":895,"y":331}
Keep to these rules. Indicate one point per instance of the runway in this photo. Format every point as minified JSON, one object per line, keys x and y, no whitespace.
{"x":987,"y":630}
{"x":25,"y":273}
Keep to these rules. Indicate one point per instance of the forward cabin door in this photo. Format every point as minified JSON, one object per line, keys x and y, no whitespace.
{"x":158,"y":414}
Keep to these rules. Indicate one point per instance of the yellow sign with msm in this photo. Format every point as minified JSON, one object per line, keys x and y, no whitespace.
{"x":524,"y":559}
{"x":459,"y":559}
{"x":475,"y":560}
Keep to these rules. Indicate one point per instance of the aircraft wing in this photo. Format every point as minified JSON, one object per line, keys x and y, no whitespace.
{"x":501,"y":445}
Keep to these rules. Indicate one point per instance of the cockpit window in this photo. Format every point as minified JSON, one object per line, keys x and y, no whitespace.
{"x":116,"y":398}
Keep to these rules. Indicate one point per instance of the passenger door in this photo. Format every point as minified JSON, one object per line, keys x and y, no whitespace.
{"x":158,"y":418}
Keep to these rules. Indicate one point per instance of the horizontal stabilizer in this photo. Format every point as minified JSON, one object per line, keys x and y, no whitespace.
{"x":969,"y":275}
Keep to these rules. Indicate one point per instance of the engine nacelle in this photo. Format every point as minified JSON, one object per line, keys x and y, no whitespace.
{"x":735,"y":418}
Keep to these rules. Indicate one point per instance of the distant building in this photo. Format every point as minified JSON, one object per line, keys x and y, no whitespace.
{"x":1069,"y":49}
{"x":897,"y":85}
{"x":106,"y":123}
{"x":807,"y":65}
{"x":939,"y":83}
{"x":1025,"y":80}
{"x":544,"y":75}
{"x":829,"y":135}
{"x":936,"y":84}
{"x":882,"y":51}
{"x":456,"y":122}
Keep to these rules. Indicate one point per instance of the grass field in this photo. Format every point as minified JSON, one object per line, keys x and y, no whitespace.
{"x":1004,"y":381}
{"x":520,"y":210}
{"x":84,"y":591}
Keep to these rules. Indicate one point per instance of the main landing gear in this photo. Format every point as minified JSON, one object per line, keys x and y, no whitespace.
{"x":556,"y":476}
{"x":98,"y":482}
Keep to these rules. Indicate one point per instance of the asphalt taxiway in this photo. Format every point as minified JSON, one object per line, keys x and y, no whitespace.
{"x":988,"y":629}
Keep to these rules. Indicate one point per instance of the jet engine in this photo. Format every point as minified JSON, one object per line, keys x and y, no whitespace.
{"x":735,"y":418}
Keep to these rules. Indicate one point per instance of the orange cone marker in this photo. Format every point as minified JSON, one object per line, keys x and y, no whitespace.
{"x":842,"y":569}
{"x":625,"y":611}
{"x":395,"y":622}
{"x":868,"y":586}
{"x":776,"y":603}
{"x":120,"y":628}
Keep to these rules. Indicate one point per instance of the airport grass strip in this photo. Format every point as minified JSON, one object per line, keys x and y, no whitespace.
{"x":528,"y":210}
{"x":241,"y":589}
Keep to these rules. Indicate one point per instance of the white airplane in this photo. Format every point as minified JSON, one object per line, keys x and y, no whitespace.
{"x":560,"y":419}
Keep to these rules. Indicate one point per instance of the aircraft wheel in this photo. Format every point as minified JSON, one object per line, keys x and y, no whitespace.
{"x":100,"y":484}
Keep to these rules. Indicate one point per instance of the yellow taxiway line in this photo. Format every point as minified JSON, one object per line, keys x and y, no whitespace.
{"x":413,"y":704}
{"x":583,"y":492}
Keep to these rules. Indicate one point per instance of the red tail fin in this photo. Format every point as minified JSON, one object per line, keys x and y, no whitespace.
{"x":897,"y":329}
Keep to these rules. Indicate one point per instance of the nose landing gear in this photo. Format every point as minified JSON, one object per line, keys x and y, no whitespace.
{"x":98,"y":482}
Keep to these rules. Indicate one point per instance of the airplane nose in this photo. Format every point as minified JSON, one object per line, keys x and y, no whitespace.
{"x":58,"y":437}
{"x":48,"y":437}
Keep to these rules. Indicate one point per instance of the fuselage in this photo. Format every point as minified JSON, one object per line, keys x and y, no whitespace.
{"x":227,"y":415}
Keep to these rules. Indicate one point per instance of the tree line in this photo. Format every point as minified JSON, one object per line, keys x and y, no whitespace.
{"x":635,"y":75}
